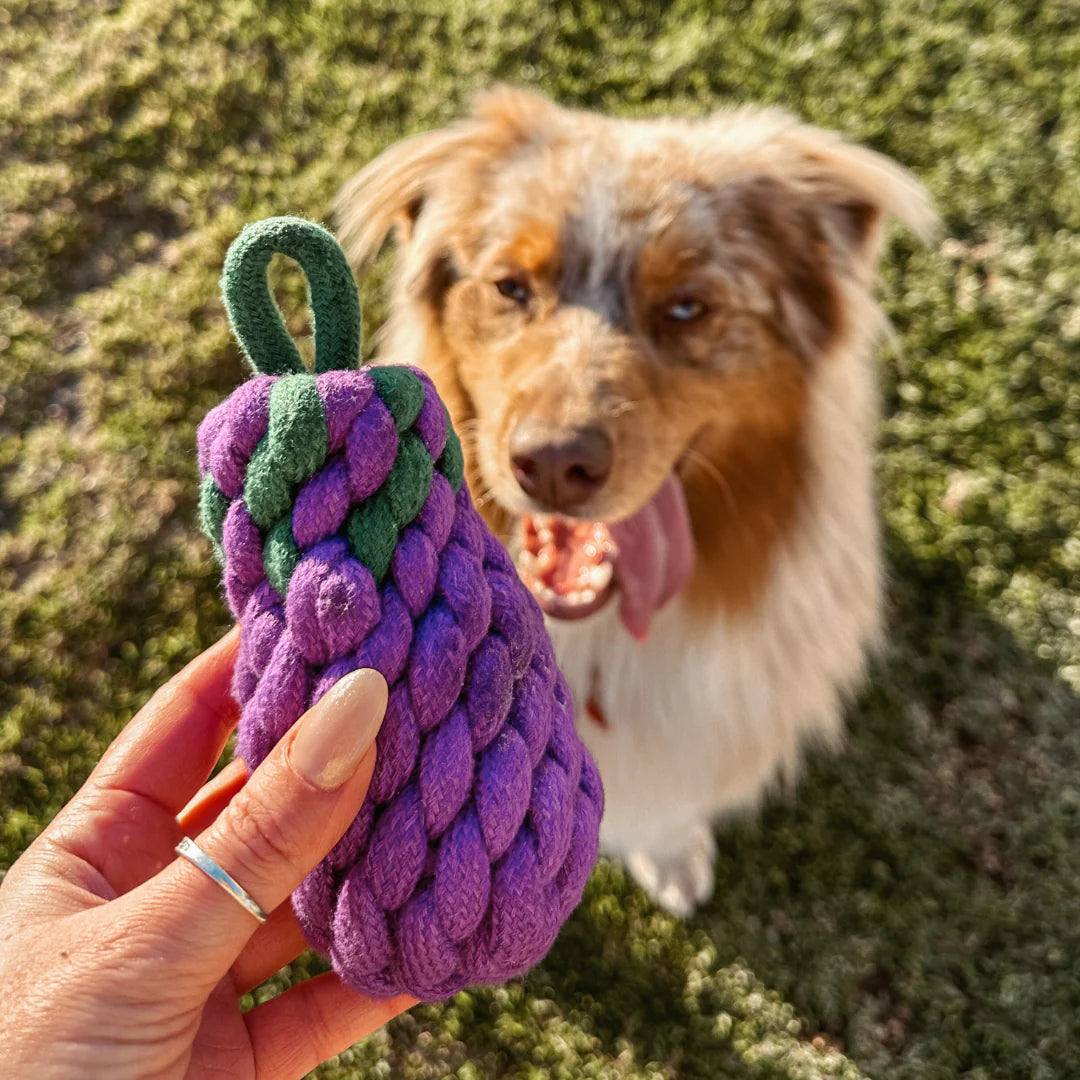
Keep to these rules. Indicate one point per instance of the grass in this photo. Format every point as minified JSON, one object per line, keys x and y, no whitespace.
{"x":911,"y":911}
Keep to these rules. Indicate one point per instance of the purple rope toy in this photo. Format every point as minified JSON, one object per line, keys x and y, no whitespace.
{"x":349,"y":540}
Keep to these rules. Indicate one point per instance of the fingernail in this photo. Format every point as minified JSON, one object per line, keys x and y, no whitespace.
{"x":333,"y":736}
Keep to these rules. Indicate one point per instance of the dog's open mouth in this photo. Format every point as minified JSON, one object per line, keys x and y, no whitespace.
{"x":574,"y":567}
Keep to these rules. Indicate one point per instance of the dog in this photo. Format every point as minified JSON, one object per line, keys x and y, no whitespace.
{"x":655,"y":339}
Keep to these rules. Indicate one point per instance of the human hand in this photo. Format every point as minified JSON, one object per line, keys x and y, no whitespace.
{"x":118,"y":959}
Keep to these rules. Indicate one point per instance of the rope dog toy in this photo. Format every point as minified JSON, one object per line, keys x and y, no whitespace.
{"x":337,"y":507}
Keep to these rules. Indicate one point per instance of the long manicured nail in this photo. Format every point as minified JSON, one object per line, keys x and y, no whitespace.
{"x":333,"y":736}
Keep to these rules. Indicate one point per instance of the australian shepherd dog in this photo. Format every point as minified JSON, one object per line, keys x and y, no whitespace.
{"x":655,"y":337}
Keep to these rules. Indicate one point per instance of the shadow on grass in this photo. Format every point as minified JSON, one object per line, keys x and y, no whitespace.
{"x":915,"y":899}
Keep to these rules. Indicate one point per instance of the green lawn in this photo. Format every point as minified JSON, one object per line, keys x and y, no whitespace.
{"x":913,"y":911}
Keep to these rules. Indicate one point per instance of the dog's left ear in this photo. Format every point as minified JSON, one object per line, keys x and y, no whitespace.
{"x":808,"y":211}
{"x":855,"y":191}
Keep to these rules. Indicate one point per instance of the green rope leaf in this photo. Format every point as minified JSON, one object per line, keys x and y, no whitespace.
{"x":451,"y":461}
{"x":280,"y":555}
{"x":213,"y":506}
{"x":293,"y":449}
{"x":402,"y":393}
{"x":373,"y":534}
{"x":409,"y":481}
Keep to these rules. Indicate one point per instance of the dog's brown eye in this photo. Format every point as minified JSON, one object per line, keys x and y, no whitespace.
{"x":513,"y":289}
{"x":686,"y":310}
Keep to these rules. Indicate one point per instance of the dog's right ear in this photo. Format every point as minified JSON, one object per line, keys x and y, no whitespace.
{"x":391,"y":191}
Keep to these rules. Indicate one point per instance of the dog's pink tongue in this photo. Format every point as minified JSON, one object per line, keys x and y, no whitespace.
{"x":656,"y":556}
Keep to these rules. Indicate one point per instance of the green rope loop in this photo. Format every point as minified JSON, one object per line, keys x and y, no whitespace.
{"x":332,"y":295}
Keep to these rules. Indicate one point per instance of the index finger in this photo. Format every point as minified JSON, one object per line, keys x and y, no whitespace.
{"x":168,"y":750}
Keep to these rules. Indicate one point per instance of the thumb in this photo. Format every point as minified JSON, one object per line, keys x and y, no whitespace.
{"x":293,"y":809}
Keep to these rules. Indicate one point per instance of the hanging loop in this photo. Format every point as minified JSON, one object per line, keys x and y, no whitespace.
{"x":332,"y":295}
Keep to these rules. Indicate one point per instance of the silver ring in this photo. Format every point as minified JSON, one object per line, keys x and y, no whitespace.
{"x":195,"y":854}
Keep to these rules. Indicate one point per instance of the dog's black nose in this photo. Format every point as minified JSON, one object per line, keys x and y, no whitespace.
{"x":559,"y":467}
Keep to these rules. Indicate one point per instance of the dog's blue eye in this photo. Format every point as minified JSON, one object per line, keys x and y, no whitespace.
{"x":513,"y":289}
{"x":685,"y":310}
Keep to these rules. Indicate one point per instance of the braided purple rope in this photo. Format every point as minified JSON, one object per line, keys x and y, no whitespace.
{"x":481,"y":824}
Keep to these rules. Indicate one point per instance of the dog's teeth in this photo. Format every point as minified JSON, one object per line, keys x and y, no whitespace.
{"x":528,"y":562}
{"x":544,"y":593}
{"x":579,"y":598}
{"x":547,"y":558}
{"x":600,"y":576}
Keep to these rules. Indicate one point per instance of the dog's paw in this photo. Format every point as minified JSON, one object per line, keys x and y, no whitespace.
{"x":678,"y":879}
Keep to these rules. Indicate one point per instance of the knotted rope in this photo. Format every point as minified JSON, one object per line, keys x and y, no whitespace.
{"x":336,"y":504}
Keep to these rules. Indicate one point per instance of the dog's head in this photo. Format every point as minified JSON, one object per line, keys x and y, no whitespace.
{"x":625,"y":317}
